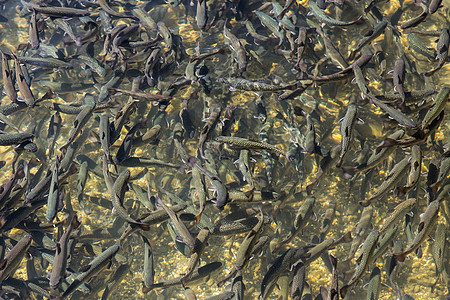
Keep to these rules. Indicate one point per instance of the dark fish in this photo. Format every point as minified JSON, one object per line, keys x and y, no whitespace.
{"x":399,"y":78}
{"x":298,"y":281}
{"x":8,"y":83}
{"x":198,"y":273}
{"x":62,"y":251}
{"x":12,"y":260}
{"x":24,"y":87}
{"x":118,"y":193}
{"x":33,"y":32}
{"x":97,"y":265}
{"x":371,"y":35}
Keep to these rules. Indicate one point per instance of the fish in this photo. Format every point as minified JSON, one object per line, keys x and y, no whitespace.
{"x":81,"y":119}
{"x":8,"y":84}
{"x":149,"y":269}
{"x":92,"y":63}
{"x":33,"y":32}
{"x":384,"y":242}
{"x":345,"y":73}
{"x":395,"y":114}
{"x":302,"y":217}
{"x":81,"y":182}
{"x":202,"y":14}
{"x":226,"y":227}
{"x":310,"y":138}
{"x":10,"y":139}
{"x":438,"y":107}
{"x":142,"y":96}
{"x":438,"y":251}
{"x":419,"y":46}
{"x":399,"y":78}
{"x":117,"y":190}
{"x":243,"y":143}
{"x":97,"y":265}
{"x":209,"y":126}
{"x":415,"y":170}
{"x":298,"y":281}
{"x":323,"y":17}
{"x":238,"y":287}
{"x":433,"y":6}
{"x":104,"y":132}
{"x":53,"y":194}
{"x":200,"y":244}
{"x":144,"y":18}
{"x":333,"y":293}
{"x":24,"y":88}
{"x":416,"y":20}
{"x":54,"y":11}
{"x":327,"y":220}
{"x":397,"y":214}
{"x":62,"y":251}
{"x":237,"y":47}
{"x":244,"y":167}
{"x":12,"y":260}
{"x":114,"y":279}
{"x":390,"y":181}
{"x":371,"y":35}
{"x":198,"y":273}
{"x":272,"y":25}
{"x":347,"y":124}
{"x":427,"y":222}
{"x":332,"y":51}
{"x":105,"y":6}
{"x":248,"y":85}
{"x":54,"y":128}
{"x":367,"y":250}
{"x":183,"y":233}
{"x":373,"y":289}
{"x":64,"y":26}
{"x":277,"y":268}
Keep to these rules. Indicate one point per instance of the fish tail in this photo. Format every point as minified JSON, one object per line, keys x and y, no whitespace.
{"x":365,"y":202}
{"x":344,"y":291}
{"x":400,"y":257}
{"x":349,"y":172}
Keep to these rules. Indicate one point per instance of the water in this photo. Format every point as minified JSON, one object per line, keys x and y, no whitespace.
{"x":326,"y":103}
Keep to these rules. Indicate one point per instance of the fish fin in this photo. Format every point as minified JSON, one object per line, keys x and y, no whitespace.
{"x":344,"y":291}
{"x":365,"y":202}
